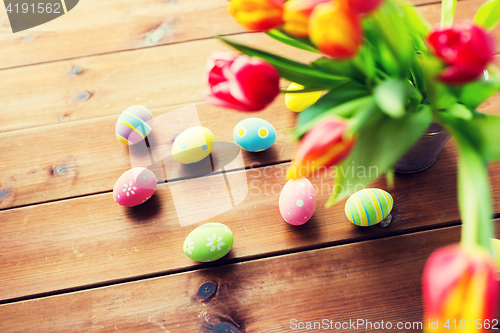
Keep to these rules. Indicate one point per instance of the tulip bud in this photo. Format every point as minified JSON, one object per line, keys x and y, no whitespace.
{"x":257,"y":14}
{"x":325,"y":145}
{"x":241,"y":82}
{"x":296,"y":16}
{"x":335,"y":30}
{"x":465,"y":48}
{"x":459,"y":286}
{"x":361,"y":7}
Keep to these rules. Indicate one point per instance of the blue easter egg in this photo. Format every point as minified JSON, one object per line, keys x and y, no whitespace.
{"x":254,"y":134}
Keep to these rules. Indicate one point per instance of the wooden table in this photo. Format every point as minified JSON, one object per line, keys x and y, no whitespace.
{"x":71,"y":260}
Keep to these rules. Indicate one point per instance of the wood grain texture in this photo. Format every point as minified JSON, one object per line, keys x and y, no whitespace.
{"x":107,"y":84}
{"x":91,"y":240}
{"x":97,"y":27}
{"x":374,"y":280}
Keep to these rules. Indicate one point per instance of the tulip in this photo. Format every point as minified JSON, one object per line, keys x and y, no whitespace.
{"x":325,"y":145}
{"x":241,"y":82}
{"x":296,"y":16}
{"x":459,"y":284}
{"x":335,"y":30}
{"x":299,"y":101}
{"x":361,"y":7}
{"x":258,"y":14}
{"x":465,"y":48}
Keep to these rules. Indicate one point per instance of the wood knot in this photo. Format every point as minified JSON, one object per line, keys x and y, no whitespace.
{"x":207,"y":290}
{"x":83,"y":96}
{"x":221,"y":328}
{"x":76,"y":70}
{"x":59,"y":170}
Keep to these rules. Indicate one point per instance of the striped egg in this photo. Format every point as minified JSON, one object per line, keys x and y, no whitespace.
{"x":134,"y":124}
{"x":368,"y":206}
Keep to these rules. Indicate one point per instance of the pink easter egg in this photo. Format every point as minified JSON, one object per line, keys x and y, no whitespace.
{"x":134,"y":187}
{"x":297,"y":201}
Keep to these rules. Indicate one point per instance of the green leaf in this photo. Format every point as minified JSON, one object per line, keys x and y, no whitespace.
{"x":378,"y":146}
{"x":293,"y":71}
{"x":489,"y":14}
{"x":300,"y":43}
{"x":474,"y":196}
{"x":340,"y":68}
{"x":474,"y":94}
{"x":447,"y":13}
{"x":348,"y":92}
{"x":460,"y":111}
{"x":392,"y":96}
{"x":488,"y":127}
{"x":387,"y":26}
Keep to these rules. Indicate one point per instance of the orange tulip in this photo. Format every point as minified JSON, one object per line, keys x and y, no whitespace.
{"x":296,"y":16}
{"x":459,"y":290}
{"x":258,"y":14}
{"x":325,"y":145}
{"x":335,"y":30}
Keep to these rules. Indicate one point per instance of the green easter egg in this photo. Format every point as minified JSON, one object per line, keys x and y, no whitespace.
{"x":368,"y":206}
{"x":208,"y":242}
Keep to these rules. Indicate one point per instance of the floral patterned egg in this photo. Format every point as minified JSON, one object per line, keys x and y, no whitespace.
{"x":134,"y":187}
{"x":368,"y":206}
{"x":193,"y":145}
{"x":134,"y":124}
{"x":254,"y":134}
{"x":208,"y":242}
{"x":297,"y":201}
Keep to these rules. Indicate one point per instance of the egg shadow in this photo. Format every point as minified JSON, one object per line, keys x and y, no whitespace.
{"x":270,"y":155}
{"x":307,"y":231}
{"x":146,"y":212}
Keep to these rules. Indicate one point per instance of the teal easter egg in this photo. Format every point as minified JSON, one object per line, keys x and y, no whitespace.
{"x":134,"y":124}
{"x":193,"y":145}
{"x":254,"y":134}
{"x":368,"y":206}
{"x":208,"y":242}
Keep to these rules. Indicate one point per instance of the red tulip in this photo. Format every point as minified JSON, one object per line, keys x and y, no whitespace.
{"x":296,"y":16}
{"x":335,"y":30}
{"x":466,"y":48}
{"x":257,"y":14}
{"x":241,"y":82}
{"x":361,"y":7}
{"x":325,"y":145}
{"x":458,"y":286}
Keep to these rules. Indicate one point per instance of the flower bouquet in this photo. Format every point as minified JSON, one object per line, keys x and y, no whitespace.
{"x":382,"y":76}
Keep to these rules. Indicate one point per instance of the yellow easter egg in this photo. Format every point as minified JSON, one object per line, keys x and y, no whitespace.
{"x":297,"y":102}
{"x":193,"y":145}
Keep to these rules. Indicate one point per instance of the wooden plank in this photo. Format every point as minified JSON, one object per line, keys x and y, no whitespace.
{"x":373,"y":281}
{"x":97,"y":27}
{"x":91,"y":240}
{"x":107,"y":84}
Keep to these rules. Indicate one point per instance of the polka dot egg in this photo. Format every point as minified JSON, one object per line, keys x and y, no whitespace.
{"x":368,"y":206}
{"x":254,"y":134}
{"x":134,"y":124}
{"x":134,"y":187}
{"x":297,"y":102}
{"x":297,"y":201}
{"x":208,"y":242}
{"x":193,"y":145}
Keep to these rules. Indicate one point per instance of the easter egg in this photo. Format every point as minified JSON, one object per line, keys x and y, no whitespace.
{"x":134,"y":124}
{"x":254,"y":134}
{"x":368,"y":206}
{"x":208,"y":242}
{"x":193,"y":145}
{"x":297,"y":201}
{"x":297,"y":102}
{"x":134,"y":187}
